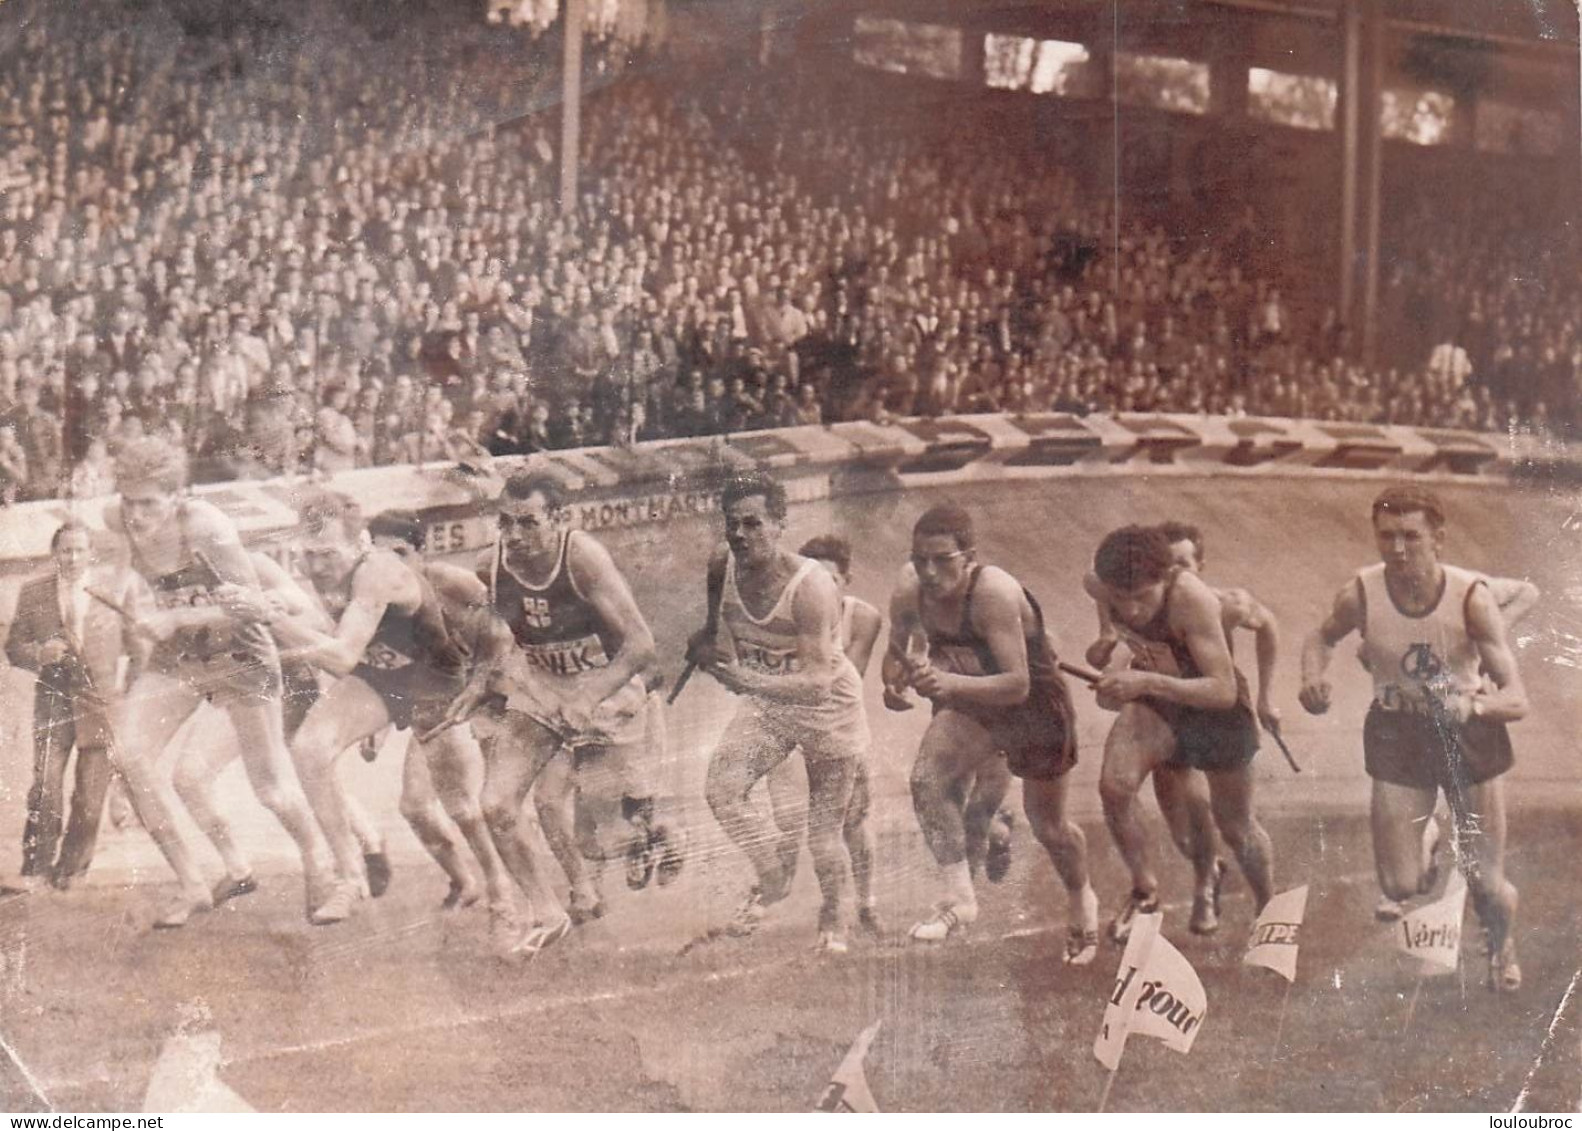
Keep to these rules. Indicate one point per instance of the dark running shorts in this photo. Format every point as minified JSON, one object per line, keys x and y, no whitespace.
{"x":301,"y":691}
{"x":415,"y":695}
{"x":1408,"y":749}
{"x":1209,"y":740}
{"x":1038,"y":738}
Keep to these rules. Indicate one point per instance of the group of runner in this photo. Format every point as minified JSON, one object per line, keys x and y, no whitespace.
{"x":536,"y":672}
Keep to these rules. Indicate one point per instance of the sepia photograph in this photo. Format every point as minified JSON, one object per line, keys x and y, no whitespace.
{"x":565,"y":556}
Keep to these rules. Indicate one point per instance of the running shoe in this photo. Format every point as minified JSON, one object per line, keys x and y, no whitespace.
{"x":832,"y":941}
{"x":506,"y":928}
{"x":748,"y":916}
{"x":1505,"y":975}
{"x":542,"y":937}
{"x":377,"y":865}
{"x":1387,"y":910}
{"x":1205,"y":904}
{"x":997,"y":858}
{"x":669,"y":845}
{"x":945,"y":921}
{"x":182,"y":907}
{"x":584,"y":907}
{"x":338,"y":908}
{"x":1138,"y":903}
{"x":460,"y":896}
{"x":233,"y":887}
{"x":640,"y":860}
{"x":1082,"y":947}
{"x":868,"y":922}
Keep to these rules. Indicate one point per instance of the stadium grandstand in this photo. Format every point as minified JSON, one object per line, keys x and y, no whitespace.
{"x":1072,"y":207}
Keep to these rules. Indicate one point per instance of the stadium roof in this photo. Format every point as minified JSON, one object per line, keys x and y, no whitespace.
{"x":1537,"y":23}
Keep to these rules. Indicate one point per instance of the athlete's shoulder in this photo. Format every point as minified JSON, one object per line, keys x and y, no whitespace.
{"x":382,"y":575}
{"x":454,"y":582}
{"x":205,"y":520}
{"x":861,"y":609}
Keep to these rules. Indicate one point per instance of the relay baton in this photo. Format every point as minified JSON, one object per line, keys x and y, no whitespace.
{"x":686,"y":674}
{"x":1286,"y":750}
{"x":1086,"y":675}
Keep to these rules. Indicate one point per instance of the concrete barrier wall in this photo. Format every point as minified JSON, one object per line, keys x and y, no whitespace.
{"x":655,"y":482}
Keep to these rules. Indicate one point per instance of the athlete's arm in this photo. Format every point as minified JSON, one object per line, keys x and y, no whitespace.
{"x":286,"y":595}
{"x":997,"y":620}
{"x":1514,"y":597}
{"x":816,"y":611}
{"x":866,"y":624}
{"x":214,"y":539}
{"x":1344,"y":618}
{"x":1194,"y":619}
{"x":1241,"y":609}
{"x":1101,"y":650}
{"x":905,"y":625}
{"x":382,"y":581}
{"x":1508,"y":701}
{"x":595,"y":575}
{"x":703,"y":646}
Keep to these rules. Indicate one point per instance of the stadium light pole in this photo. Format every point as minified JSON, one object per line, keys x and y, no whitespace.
{"x":572,"y":18}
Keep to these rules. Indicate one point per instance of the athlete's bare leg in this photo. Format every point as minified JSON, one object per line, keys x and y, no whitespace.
{"x":515,"y":750}
{"x":346,"y":713}
{"x":197,"y":768}
{"x":1138,"y":743}
{"x":144,"y":723}
{"x":553,"y":800}
{"x":1184,"y":803}
{"x":829,"y":778}
{"x":955,"y":750}
{"x":985,"y":797}
{"x":745,"y":754}
{"x":456,"y":769}
{"x":1044,"y":802}
{"x":788,"y":793}
{"x":1399,"y":814}
{"x":1231,"y":800}
{"x":422,"y":810}
{"x":1480,"y":825}
{"x":859,"y":847}
{"x":261,"y":739}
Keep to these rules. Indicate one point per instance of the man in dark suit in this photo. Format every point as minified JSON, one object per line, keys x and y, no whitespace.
{"x":73,"y":643}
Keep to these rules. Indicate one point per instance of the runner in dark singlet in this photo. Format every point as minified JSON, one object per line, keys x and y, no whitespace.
{"x":1181,"y":703}
{"x":401,"y":650}
{"x":568,"y":682}
{"x":189,"y":554}
{"x":1181,"y":790}
{"x":990,"y":673}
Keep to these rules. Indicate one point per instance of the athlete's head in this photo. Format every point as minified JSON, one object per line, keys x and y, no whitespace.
{"x":944,"y":547}
{"x":330,"y":529}
{"x":1134,"y":565}
{"x":400,"y":532}
{"x":1186,"y":544}
{"x":833,"y":553}
{"x":1409,"y":528}
{"x":149,"y":473}
{"x":72,"y":547}
{"x":755,"y":516}
{"x":533,"y":508}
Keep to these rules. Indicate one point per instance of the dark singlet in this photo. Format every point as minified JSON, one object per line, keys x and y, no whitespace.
{"x":557,"y":629}
{"x":192,"y":585}
{"x":965,"y":653}
{"x":419,"y":636}
{"x":1155,"y":649}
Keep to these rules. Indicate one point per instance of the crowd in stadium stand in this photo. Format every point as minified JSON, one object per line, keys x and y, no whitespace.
{"x":298,"y":260}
